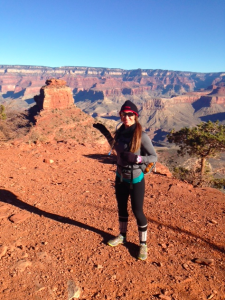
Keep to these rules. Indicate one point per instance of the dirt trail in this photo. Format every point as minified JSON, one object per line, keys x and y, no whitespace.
{"x":58,"y":209}
{"x":56,"y":217}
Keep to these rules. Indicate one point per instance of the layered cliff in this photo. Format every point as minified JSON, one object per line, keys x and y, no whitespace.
{"x":166,"y":99}
{"x":55,"y":94}
{"x":27,"y":80}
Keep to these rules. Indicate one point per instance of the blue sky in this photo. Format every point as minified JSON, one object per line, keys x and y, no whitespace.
{"x":183,"y":35}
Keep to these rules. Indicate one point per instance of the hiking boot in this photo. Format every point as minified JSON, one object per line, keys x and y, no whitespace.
{"x":143,"y":252}
{"x":120,"y":239}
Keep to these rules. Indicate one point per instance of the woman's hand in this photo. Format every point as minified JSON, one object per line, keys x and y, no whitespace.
{"x":129,"y":157}
{"x":104,"y":131}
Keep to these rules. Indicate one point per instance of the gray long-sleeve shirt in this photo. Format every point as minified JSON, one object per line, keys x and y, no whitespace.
{"x":147,"y":153}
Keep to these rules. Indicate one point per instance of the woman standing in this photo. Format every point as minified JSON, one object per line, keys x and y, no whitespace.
{"x":134,"y":148}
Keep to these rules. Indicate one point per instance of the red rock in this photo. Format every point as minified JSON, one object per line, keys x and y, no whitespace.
{"x":54,"y":95}
{"x":3,"y":250}
{"x":21,"y":265}
{"x":162,"y":170}
{"x":218,"y":91}
{"x":20,"y":217}
{"x":55,"y":82}
{"x":48,"y":161}
{"x":164,"y":297}
{"x":204,"y":261}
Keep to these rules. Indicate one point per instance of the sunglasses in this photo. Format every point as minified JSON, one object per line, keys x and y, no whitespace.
{"x":129,"y":114}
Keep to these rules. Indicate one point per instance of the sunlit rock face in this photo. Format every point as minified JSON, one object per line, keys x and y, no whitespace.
{"x":28,"y":80}
{"x":55,"y":94}
{"x":165,"y":99}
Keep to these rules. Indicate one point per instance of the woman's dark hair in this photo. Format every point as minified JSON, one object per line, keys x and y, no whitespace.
{"x":136,"y":140}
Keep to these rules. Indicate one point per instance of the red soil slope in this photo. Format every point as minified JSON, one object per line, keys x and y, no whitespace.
{"x":58,"y":209}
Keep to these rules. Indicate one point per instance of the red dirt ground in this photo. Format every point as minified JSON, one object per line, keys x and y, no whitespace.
{"x":58,"y":209}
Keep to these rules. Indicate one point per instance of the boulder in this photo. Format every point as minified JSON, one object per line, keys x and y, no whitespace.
{"x":162,"y":170}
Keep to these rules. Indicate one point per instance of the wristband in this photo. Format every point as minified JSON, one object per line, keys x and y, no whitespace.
{"x":139,"y":159}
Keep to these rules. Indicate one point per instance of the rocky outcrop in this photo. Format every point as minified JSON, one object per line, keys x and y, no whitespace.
{"x":55,"y":94}
{"x":207,"y":98}
{"x":217,"y":95}
{"x":160,"y":115}
{"x":220,"y":91}
{"x":162,"y":170}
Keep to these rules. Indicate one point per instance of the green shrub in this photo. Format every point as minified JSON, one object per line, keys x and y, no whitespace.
{"x":2,"y":112}
{"x":196,"y":179}
{"x":218,"y":183}
{"x":36,"y":137}
{"x":181,"y":173}
{"x":192,"y":176}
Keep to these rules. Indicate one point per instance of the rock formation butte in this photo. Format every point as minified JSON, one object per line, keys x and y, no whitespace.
{"x":55,"y":94}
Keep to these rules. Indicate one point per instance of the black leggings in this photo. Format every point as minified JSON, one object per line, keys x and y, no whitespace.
{"x":123,"y":191}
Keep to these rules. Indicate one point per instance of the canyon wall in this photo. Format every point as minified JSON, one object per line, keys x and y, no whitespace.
{"x":165,"y":99}
{"x":27,"y":80}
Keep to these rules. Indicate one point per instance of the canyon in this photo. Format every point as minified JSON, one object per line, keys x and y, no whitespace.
{"x":58,"y":210}
{"x":166,"y":99}
{"x":55,"y":94}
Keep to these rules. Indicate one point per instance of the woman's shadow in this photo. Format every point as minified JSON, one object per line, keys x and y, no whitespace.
{"x":8,"y":197}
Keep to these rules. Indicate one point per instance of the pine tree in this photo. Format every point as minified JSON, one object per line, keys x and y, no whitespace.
{"x":205,"y":140}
